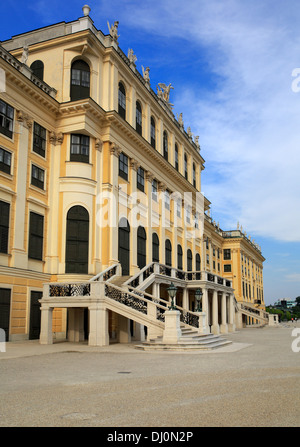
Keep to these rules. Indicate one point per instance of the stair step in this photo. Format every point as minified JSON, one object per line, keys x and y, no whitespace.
{"x":181,"y":346}
{"x":119,"y":280}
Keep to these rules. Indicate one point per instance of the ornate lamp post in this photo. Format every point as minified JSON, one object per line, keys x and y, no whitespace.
{"x":172,"y":293}
{"x":198,"y":295}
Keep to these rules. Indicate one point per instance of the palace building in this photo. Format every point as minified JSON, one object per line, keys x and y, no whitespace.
{"x":101,"y":204}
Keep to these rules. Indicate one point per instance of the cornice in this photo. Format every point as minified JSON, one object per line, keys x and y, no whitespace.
{"x":113,"y":118}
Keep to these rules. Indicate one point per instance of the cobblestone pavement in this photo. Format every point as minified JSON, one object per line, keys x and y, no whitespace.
{"x":255,"y":382}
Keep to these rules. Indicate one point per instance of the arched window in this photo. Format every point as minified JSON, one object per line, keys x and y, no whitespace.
{"x":185,"y":167}
{"x":198,"y":266}
{"x":38,"y":69}
{"x":152,"y":124}
{"x":189,"y":260}
{"x":165,"y":145}
{"x":155,"y":248}
{"x":80,"y":80}
{"x":194,"y":175}
{"x":124,"y":246}
{"x":77,"y":240}
{"x":138,"y":118}
{"x":141,"y":247}
{"x":179,"y":257}
{"x":176,"y":157}
{"x":122,"y":101}
{"x":168,"y":252}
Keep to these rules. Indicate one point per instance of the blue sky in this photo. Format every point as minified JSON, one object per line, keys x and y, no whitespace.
{"x":231,"y":64}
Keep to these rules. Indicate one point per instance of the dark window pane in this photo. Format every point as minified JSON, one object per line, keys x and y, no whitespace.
{"x":36,"y":236}
{"x":4,"y":226}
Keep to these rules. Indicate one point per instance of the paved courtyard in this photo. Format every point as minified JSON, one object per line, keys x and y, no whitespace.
{"x":255,"y":382}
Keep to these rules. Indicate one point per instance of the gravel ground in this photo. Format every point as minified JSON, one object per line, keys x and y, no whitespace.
{"x":255,"y":382}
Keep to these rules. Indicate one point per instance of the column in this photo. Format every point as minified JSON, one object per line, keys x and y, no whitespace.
{"x":46,"y":336}
{"x":98,"y":335}
{"x":185,"y":298}
{"x":75,"y":324}
{"x":52,"y":259}
{"x":23,"y":129}
{"x":215,"y":324}
{"x":133,"y":222}
{"x":205,"y":304}
{"x":124,"y":329}
{"x":224,"y":326}
{"x":148,"y":190}
{"x":114,"y":203}
{"x":231,"y":323}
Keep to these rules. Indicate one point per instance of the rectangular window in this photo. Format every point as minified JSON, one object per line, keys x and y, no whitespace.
{"x":140,"y":179}
{"x":80,"y":148}
{"x":4,"y":226}
{"x":153,"y":143}
{"x":123,"y":166}
{"x":227,"y":253}
{"x":167,"y":200}
{"x":227,"y":268}
{"x":154,"y":190}
{"x":6,"y":119}
{"x":176,"y":159}
{"x":37,"y":177}
{"x":39,"y":139}
{"x":188,"y":214}
{"x":5,"y":161}
{"x":179,"y":208}
{"x":36,"y":236}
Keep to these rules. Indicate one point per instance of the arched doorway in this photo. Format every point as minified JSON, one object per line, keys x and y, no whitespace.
{"x":155,"y":248}
{"x":124,"y":246}
{"x":77,"y":240}
{"x":189,"y":262}
{"x":198,"y":266}
{"x":141,"y":247}
{"x":168,"y":252}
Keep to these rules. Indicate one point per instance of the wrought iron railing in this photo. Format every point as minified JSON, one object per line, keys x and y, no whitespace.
{"x":126,"y":298}
{"x":106,"y":274}
{"x":74,"y":289}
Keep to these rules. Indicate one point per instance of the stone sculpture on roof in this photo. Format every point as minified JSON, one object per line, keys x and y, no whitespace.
{"x":113,"y":30}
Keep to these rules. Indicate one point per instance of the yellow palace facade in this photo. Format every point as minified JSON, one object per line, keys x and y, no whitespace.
{"x":101,"y":198}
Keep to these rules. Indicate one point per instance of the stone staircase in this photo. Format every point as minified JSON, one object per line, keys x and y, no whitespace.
{"x":189,"y":341}
{"x":118,"y":280}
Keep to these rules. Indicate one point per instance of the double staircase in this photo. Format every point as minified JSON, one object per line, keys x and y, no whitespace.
{"x":190,"y":338}
{"x":126,"y":296}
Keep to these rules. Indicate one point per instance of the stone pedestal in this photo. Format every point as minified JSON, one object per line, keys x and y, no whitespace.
{"x":203,"y":328}
{"x":172,"y":331}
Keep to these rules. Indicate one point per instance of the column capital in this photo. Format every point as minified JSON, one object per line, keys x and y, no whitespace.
{"x":149,"y":176}
{"x":134,"y":164}
{"x":114,"y":149}
{"x":98,"y":144}
{"x":56,"y":138}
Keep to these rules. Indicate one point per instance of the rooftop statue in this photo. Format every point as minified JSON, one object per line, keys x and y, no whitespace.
{"x":180,"y":121}
{"x":146,"y":74}
{"x":24,"y":55}
{"x":165,"y":92}
{"x":197,"y":142}
{"x":131,"y":56}
{"x":113,"y":30}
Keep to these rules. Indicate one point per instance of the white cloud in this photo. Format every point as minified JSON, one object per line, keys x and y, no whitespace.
{"x":248,"y":122}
